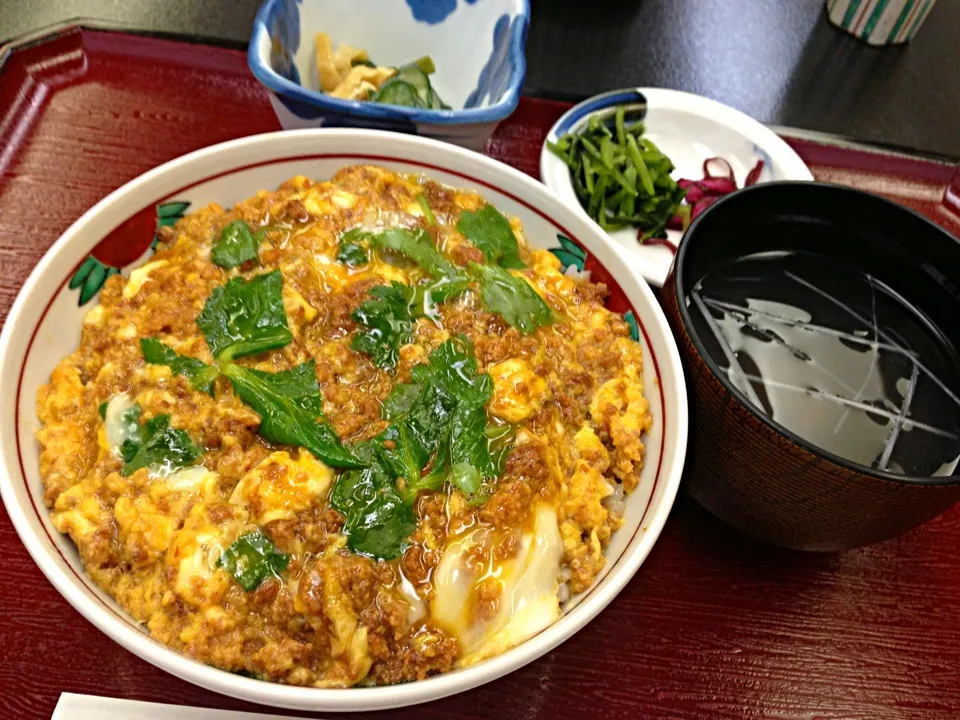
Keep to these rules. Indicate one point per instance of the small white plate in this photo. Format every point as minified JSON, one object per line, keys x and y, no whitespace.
{"x":688,"y":129}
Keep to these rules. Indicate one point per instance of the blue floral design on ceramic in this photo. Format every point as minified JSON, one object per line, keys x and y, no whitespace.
{"x":569,"y":253}
{"x":345,"y":120}
{"x":605,"y":100}
{"x":495,"y":76}
{"x":433,"y":12}
{"x":768,"y":170}
{"x":285,"y":36}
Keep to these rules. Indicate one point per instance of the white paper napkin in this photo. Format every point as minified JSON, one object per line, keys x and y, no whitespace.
{"x":91,"y":707}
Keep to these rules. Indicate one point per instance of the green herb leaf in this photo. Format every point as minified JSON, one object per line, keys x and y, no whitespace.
{"x":290,"y":409}
{"x":452,"y":365}
{"x":512,"y":298}
{"x":466,"y":478}
{"x":132,"y":431}
{"x":378,"y":520}
{"x":400,"y":400}
{"x":467,"y":440}
{"x":381,"y":531}
{"x":388,"y":321}
{"x":352,"y":250}
{"x":447,"y":420}
{"x":401,"y":453}
{"x":244,"y":318}
{"x":236,"y":245}
{"x":161,"y":447}
{"x":102,"y":409}
{"x":419,"y":247}
{"x":425,"y":431}
{"x":200,"y":375}
{"x":251,"y":559}
{"x":352,"y":254}
{"x":491,"y":233}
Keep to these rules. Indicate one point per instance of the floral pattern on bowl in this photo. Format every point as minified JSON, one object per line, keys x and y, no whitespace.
{"x":127,"y":244}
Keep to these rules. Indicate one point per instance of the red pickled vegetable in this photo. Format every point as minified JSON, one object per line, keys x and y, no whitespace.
{"x":661,"y":242}
{"x":676,"y":223}
{"x":699,"y":189}
{"x":703,"y":205}
{"x":717,"y":167}
{"x":754,"y":174}
{"x":718,"y":181}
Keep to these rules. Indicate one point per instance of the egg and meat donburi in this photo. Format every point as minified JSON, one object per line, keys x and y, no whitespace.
{"x":348,"y":432}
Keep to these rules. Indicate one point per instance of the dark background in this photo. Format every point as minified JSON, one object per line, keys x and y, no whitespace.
{"x":778,"y":60}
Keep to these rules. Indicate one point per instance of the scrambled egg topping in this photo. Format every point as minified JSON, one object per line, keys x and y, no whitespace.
{"x":280,"y":488}
{"x":475,"y":578}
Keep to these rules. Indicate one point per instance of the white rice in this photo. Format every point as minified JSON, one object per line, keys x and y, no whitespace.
{"x":617,"y":501}
{"x":572,"y":272}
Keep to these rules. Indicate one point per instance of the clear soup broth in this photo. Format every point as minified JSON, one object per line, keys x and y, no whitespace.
{"x":835,"y":357}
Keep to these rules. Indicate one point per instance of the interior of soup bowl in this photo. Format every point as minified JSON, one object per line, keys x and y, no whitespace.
{"x":819,"y":329}
{"x":116,"y":236}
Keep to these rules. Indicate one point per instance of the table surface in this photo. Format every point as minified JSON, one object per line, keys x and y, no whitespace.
{"x":778,"y":60}
{"x":715,"y":625}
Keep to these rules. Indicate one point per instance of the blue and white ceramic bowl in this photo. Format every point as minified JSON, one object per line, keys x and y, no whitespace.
{"x":478,"y":49}
{"x":688,"y":129}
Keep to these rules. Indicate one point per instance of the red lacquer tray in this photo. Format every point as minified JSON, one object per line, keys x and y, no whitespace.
{"x":714,"y":625}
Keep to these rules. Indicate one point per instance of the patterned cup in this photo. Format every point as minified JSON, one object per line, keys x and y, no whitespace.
{"x":880,"y":22}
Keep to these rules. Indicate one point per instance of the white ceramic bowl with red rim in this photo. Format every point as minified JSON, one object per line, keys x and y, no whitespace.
{"x":44,"y":326}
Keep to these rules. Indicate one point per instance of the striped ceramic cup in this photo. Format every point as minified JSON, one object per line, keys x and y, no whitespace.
{"x":880,"y":22}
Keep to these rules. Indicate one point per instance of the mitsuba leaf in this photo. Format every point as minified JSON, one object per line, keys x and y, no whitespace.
{"x":159,"y":447}
{"x":251,"y":559}
{"x":352,"y":254}
{"x":388,"y":323}
{"x":245,"y":317}
{"x":378,"y":520}
{"x":236,"y":245}
{"x":200,"y":375}
{"x":417,"y":245}
{"x":352,"y":250}
{"x":438,"y":432}
{"x":513,"y":298}
{"x":490,"y":232}
{"x":291,"y":410}
{"x":400,"y":400}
